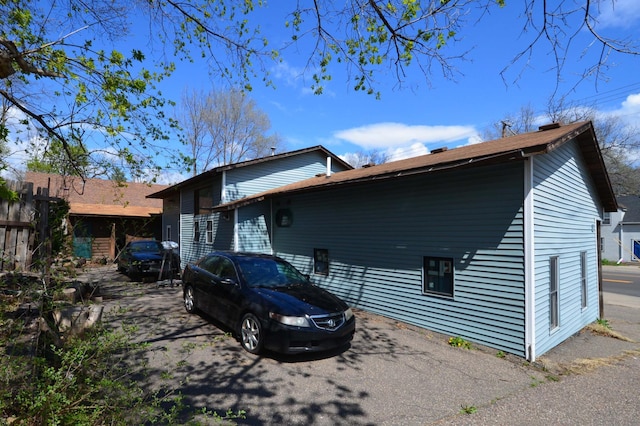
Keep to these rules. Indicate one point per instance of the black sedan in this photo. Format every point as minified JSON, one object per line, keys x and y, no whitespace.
{"x":267,"y":302}
{"x":146,"y":258}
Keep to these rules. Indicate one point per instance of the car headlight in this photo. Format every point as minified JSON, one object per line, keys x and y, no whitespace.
{"x":288,"y":320}
{"x":348,"y":314}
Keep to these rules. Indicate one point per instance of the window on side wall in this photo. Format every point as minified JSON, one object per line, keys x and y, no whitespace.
{"x":203,"y":200}
{"x":196,"y":232}
{"x":606,"y":218}
{"x":554,"y":301}
{"x":321,"y":261}
{"x":209,"y":232}
{"x":583,"y":278}
{"x":438,"y":276}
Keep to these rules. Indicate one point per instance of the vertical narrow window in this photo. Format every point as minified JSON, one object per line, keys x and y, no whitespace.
{"x":606,"y":218}
{"x":553,"y":292}
{"x":438,"y":276}
{"x":209,"y":232}
{"x":168,"y":236}
{"x":321,"y":261}
{"x":196,"y":231}
{"x":583,"y":278}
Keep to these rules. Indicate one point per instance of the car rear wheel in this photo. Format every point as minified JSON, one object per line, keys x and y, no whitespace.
{"x":251,"y":336}
{"x":189,"y":300}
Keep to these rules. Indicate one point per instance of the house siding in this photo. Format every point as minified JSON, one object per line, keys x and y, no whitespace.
{"x":254,"y":226}
{"x":565,"y":215}
{"x":238,"y":183}
{"x":261,"y":177}
{"x":377,"y":235}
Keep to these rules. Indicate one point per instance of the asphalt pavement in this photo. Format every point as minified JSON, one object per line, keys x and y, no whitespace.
{"x":393,"y":373}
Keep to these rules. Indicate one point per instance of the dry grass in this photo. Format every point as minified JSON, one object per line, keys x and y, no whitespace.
{"x":582,"y":366}
{"x":601,"y":330}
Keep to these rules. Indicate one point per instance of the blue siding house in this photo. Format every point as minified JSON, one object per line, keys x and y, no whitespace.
{"x":189,"y":215}
{"x":496,"y":242}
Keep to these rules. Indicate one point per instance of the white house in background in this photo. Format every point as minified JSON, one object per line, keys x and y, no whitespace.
{"x":621,"y":231}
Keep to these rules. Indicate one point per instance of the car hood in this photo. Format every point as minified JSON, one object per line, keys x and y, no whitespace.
{"x":302,"y":299}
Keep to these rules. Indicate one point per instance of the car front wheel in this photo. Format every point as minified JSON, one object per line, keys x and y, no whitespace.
{"x":189,"y":300}
{"x":251,"y":336}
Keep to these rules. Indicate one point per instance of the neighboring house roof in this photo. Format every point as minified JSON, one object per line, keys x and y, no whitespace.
{"x":99,"y":197}
{"x":209,"y":173}
{"x":631,"y":205}
{"x":502,"y":150}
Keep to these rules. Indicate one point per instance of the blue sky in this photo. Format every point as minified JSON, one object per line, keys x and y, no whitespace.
{"x":421,"y":116}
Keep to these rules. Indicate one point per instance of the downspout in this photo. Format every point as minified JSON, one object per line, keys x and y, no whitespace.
{"x":223,"y":189}
{"x":271,"y":224}
{"x":236,"y":242}
{"x":621,"y":245}
{"x":529,"y":264}
{"x":180,"y":233}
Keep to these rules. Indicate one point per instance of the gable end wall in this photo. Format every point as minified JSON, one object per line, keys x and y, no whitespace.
{"x":565,"y":213}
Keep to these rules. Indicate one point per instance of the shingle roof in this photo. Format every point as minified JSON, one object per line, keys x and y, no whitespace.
{"x":510,"y":148}
{"x":100,"y":197}
{"x":209,"y":173}
{"x":631,"y":203}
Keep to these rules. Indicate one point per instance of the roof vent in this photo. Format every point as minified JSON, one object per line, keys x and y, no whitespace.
{"x":549,"y":127}
{"x":366,"y":166}
{"x":439,"y":150}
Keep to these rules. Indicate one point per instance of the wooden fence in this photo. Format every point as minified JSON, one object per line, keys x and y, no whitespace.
{"x":21,"y":222}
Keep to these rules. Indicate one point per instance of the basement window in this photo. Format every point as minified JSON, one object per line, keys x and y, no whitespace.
{"x":321,"y":261}
{"x":438,"y":276}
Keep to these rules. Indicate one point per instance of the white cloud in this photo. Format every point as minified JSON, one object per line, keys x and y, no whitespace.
{"x":631,"y":105}
{"x":290,"y":75}
{"x":407,"y":152}
{"x":618,"y":13}
{"x":394,"y":136}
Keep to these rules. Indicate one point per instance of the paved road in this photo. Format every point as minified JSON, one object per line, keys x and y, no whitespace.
{"x":393,"y":374}
{"x":622,"y":279}
{"x":621,"y":285}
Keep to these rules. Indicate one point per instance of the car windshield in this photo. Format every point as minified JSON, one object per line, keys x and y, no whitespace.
{"x":265,"y":272}
{"x":145,"y":246}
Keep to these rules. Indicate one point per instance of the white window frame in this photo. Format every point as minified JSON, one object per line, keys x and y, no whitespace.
{"x":583,"y":278}
{"x":209,"y":232}
{"x":554,"y":296}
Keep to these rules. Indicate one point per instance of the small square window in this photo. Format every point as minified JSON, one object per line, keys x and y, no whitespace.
{"x":438,"y":276}
{"x":321,"y":261}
